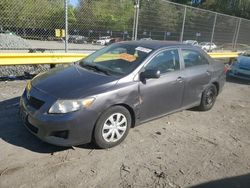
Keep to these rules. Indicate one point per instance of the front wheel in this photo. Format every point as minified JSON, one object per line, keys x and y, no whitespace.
{"x":112,"y":127}
{"x":208,"y":98}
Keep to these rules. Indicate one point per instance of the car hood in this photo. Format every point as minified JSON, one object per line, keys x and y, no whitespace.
{"x":244,"y":62}
{"x":72,"y":82}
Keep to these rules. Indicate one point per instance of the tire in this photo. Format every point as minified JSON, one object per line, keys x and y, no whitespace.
{"x":112,"y":127}
{"x":208,"y":98}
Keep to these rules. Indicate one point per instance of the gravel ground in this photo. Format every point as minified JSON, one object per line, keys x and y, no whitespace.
{"x":13,"y":41}
{"x":20,"y":70}
{"x":186,"y":149}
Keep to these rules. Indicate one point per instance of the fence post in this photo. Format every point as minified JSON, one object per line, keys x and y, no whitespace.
{"x":133,"y":34}
{"x":183,"y":24}
{"x":237,"y":35}
{"x":234,"y":36}
{"x":66,"y":24}
{"x":212,"y":36}
{"x":215,"y":20}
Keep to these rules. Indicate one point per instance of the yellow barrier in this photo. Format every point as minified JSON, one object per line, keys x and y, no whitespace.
{"x":39,"y":58}
{"x":223,"y":54}
{"x":61,"y":58}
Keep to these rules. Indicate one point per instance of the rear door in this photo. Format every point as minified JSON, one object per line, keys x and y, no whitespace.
{"x":197,"y":75}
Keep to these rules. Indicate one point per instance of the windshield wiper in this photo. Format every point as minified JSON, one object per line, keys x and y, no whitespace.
{"x":96,"y":68}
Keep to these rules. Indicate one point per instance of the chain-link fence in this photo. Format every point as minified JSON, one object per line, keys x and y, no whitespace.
{"x":88,"y":25}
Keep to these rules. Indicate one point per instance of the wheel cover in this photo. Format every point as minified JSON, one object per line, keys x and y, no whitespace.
{"x":210,"y":97}
{"x":114,"y":127}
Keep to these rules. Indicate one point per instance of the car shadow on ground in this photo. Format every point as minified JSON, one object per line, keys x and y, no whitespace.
{"x":237,"y":80}
{"x":13,"y":131}
{"x":242,"y":181}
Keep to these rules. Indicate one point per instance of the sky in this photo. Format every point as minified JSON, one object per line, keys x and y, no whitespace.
{"x":73,"y":2}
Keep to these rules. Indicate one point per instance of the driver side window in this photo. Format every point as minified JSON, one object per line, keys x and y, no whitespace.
{"x":165,"y":61}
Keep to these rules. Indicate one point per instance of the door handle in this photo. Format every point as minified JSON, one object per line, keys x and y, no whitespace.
{"x":179,"y":79}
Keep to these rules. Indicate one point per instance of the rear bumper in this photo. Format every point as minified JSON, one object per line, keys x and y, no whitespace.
{"x":222,"y":81}
{"x":59,"y":129}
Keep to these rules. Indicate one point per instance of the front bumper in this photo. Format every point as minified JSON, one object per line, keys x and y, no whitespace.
{"x":69,"y":129}
{"x":239,"y":73}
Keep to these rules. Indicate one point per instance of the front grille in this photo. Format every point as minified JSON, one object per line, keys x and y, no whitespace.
{"x":34,"y":102}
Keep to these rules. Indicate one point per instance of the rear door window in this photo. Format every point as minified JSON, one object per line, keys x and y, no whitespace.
{"x":193,"y":58}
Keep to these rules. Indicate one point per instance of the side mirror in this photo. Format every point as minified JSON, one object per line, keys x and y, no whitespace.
{"x":150,"y":74}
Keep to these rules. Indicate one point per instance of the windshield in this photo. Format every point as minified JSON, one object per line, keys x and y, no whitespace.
{"x":116,"y":59}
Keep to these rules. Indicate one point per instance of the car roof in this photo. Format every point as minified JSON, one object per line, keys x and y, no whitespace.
{"x":154,"y":44}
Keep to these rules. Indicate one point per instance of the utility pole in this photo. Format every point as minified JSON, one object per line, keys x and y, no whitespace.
{"x":237,"y":35}
{"x":133,"y":35}
{"x":212,"y":36}
{"x":136,"y":18}
{"x":183,"y":24}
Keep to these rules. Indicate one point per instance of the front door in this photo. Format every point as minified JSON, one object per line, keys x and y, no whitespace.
{"x":162,"y":95}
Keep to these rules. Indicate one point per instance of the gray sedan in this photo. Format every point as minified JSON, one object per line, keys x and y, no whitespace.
{"x":118,"y":87}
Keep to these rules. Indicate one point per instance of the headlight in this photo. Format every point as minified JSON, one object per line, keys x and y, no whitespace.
{"x":66,"y":106}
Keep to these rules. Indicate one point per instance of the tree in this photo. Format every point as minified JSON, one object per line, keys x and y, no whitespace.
{"x":105,"y":14}
{"x":31,"y":13}
{"x":158,"y":17}
{"x":240,"y":8}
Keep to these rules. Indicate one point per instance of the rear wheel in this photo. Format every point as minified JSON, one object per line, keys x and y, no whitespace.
{"x":208,"y":98}
{"x":112,"y":127}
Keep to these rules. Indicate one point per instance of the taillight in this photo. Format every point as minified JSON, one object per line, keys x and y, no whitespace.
{"x":227,"y":68}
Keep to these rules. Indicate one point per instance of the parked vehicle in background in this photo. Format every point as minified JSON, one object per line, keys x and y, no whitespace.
{"x":103,"y":40}
{"x":191,"y":42}
{"x":207,"y":46}
{"x":146,"y":38}
{"x":77,"y":39}
{"x":118,"y":87}
{"x":238,"y":47}
{"x":8,"y":32}
{"x":241,"y":67}
{"x":114,"y":40}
